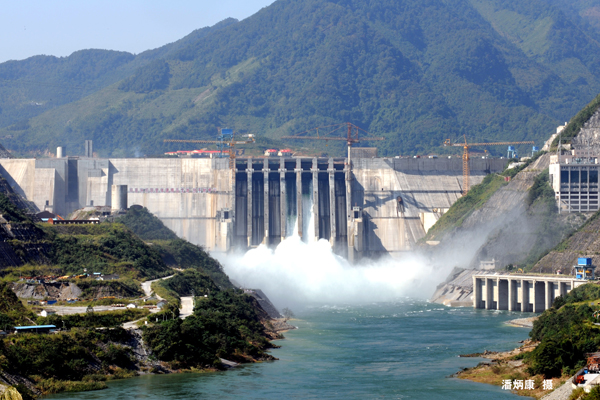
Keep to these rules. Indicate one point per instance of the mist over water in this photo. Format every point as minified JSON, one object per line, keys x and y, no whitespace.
{"x":304,"y":271}
{"x":297,"y":274}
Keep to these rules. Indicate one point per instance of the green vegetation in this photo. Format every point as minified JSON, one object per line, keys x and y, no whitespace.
{"x":106,"y":319}
{"x":189,"y":280}
{"x":224,"y":325}
{"x":66,"y":356}
{"x":175,"y":252}
{"x":577,"y":122}
{"x":594,"y":394}
{"x":182,"y":254}
{"x":566,"y":334}
{"x":12,"y":213}
{"x":541,"y":190}
{"x":12,"y":311}
{"x":93,"y":347}
{"x":107,"y":248}
{"x":405,"y":70}
{"x":463,"y":207}
{"x":154,"y":76}
{"x":145,"y":225}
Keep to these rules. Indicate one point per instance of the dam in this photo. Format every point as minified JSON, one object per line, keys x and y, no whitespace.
{"x":375,"y":206}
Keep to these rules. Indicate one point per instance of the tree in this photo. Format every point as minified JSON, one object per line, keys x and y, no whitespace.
{"x":287,"y":313}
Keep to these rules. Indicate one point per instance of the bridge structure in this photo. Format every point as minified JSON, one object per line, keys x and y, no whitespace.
{"x":373,"y":206}
{"x":525,"y":293}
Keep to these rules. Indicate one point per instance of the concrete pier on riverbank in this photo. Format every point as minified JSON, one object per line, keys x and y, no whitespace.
{"x":525,"y":293}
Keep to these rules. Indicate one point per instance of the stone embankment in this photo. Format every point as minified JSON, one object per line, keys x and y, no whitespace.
{"x":457,"y":290}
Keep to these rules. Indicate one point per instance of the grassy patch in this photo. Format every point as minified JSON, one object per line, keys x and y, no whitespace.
{"x":51,"y":386}
{"x":475,"y":199}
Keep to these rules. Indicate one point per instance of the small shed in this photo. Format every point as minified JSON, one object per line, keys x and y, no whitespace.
{"x":47,"y":313}
{"x":161,"y":304}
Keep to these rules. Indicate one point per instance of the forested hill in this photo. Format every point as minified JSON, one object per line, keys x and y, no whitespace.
{"x":33,"y":86}
{"x":414,"y":71}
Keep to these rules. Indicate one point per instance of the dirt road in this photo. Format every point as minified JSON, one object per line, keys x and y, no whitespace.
{"x":147,"y":286}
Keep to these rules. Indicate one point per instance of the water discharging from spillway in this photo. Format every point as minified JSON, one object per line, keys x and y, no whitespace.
{"x":304,"y":271}
{"x":308,"y":217}
{"x":292,"y":209}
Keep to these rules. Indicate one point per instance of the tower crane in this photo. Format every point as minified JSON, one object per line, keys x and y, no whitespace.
{"x":229,"y":143}
{"x":351,"y":135}
{"x":465,"y":157}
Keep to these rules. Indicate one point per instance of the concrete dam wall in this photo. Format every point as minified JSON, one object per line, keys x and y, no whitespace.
{"x":381,"y":205}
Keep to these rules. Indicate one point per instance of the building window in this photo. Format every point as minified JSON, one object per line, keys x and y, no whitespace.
{"x":574,"y":176}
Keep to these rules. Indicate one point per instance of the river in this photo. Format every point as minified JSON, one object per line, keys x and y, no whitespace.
{"x":401,"y":349}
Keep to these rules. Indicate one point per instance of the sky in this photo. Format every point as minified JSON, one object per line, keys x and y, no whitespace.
{"x":60,"y":27}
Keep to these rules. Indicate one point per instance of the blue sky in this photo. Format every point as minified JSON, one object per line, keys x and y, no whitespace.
{"x":60,"y":27}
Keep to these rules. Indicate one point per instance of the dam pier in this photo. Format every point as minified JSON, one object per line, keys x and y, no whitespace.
{"x":375,"y":206}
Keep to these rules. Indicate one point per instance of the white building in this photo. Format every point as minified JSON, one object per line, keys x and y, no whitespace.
{"x":47,"y":313}
{"x":574,"y":179}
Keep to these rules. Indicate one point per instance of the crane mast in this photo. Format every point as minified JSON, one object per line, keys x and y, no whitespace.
{"x":466,"y":158}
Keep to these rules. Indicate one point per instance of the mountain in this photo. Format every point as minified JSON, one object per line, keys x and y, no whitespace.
{"x":416,"y":72}
{"x":33,"y":86}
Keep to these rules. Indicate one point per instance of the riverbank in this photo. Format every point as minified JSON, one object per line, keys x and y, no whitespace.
{"x":350,"y":351}
{"x":522,"y":322}
{"x":509,"y":366}
{"x":112,"y":354}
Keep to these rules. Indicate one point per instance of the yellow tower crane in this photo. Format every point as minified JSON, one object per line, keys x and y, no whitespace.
{"x":465,"y":157}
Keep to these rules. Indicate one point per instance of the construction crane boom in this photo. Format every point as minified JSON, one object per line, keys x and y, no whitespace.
{"x":449,"y":143}
{"x":208,"y":141}
{"x":351,"y":135}
{"x":465,"y":157}
{"x":231,"y":144}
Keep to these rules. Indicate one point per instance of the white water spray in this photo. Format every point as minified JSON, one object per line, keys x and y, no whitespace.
{"x":296,"y":274}
{"x":303,"y":271}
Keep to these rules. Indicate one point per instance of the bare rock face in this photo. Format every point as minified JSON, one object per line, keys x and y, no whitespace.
{"x":59,"y":291}
{"x":589,"y":134}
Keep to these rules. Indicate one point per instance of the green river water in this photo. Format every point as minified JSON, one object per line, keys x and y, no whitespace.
{"x":404,"y":349}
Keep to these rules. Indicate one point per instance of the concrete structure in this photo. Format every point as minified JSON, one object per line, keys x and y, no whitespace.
{"x":118,"y":198}
{"x":574,"y":179}
{"x":89,"y":149}
{"x":526,"y":293}
{"x":384,"y":205}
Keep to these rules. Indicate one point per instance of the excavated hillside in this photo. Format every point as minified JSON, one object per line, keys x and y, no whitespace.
{"x":510,"y":227}
{"x":583,"y":243}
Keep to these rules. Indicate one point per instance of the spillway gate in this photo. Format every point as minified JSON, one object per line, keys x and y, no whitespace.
{"x":269,"y":202}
